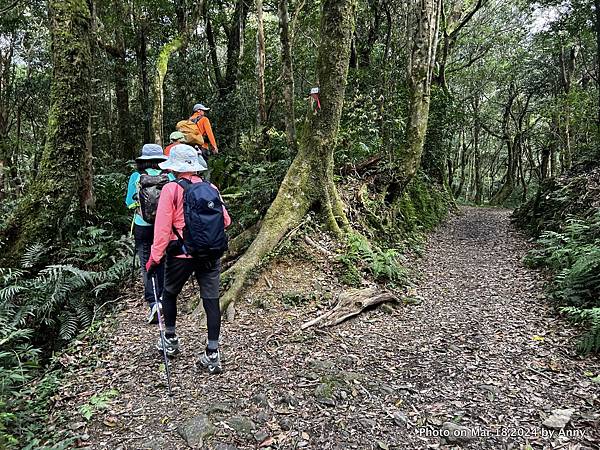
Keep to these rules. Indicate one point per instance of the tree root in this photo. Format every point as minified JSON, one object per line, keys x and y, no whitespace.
{"x":350,"y":304}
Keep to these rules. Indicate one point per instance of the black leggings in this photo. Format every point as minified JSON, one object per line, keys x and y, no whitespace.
{"x":207,"y":272}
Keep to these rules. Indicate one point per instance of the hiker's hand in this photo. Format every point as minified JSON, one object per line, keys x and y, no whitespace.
{"x":215,"y":150}
{"x":151,"y":267}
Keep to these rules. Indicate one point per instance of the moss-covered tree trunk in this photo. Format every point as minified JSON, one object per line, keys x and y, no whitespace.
{"x":309,"y":180}
{"x":187,"y":26}
{"x":424,"y":26}
{"x":162,"y":64}
{"x":59,"y":190}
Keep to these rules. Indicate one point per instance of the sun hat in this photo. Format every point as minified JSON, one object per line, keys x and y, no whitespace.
{"x":151,"y":151}
{"x":184,"y":158}
{"x":200,"y":106}
{"x":176,"y":135}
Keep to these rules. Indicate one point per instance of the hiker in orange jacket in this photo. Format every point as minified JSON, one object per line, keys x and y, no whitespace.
{"x":203,"y":124}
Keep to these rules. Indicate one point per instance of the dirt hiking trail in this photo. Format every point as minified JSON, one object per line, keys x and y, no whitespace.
{"x":477,"y":352}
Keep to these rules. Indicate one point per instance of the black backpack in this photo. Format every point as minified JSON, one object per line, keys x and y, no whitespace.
{"x":150,"y":187}
{"x":204,"y":232}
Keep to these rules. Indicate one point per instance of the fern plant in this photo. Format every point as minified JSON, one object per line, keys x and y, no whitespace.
{"x":360,"y":254}
{"x":42,"y":306}
{"x":590,"y":341}
{"x":573,"y":253}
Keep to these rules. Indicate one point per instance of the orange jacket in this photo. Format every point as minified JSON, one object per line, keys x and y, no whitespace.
{"x":205,"y":129}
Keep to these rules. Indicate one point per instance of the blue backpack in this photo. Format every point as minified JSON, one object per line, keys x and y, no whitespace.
{"x":204,"y":232}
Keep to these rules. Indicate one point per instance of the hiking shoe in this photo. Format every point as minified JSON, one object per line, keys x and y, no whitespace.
{"x":171,"y":344}
{"x":153,"y":315}
{"x":210,"y":362}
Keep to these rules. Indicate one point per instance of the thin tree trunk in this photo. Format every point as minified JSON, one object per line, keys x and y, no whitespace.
{"x":511,"y":145}
{"x":212,"y":47}
{"x":141,"y":53}
{"x":477,"y":153}
{"x":597,"y":7}
{"x":567,"y":66}
{"x":555,"y":144}
{"x":425,"y":15}
{"x":64,"y":167}
{"x":309,"y":179}
{"x":162,"y":64}
{"x":118,"y":52}
{"x":287,"y":75}
{"x":188,"y":24}
{"x":261,"y":117}
{"x":6,"y":166}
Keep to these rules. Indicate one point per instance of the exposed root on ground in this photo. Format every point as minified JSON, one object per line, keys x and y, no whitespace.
{"x":351,"y":303}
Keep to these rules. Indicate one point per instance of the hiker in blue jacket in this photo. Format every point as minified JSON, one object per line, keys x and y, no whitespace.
{"x":143,"y":232}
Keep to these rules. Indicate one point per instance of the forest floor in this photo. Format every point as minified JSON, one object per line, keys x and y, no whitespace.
{"x":478,"y":348}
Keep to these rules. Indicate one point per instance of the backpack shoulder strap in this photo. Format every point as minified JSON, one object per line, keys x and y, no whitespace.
{"x":183,"y":182}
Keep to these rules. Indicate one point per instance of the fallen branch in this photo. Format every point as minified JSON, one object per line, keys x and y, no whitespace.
{"x":350,"y":304}
{"x":362,"y":166}
{"x":316,"y":246}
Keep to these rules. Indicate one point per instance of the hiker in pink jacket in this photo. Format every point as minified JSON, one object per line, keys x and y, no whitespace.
{"x":173,"y":239}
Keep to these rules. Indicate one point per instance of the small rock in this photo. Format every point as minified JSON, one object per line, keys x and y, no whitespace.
{"x":324,"y":394}
{"x":367,"y":423}
{"x":302,"y":444}
{"x":77,"y":425}
{"x":559,"y":419}
{"x":311,"y":376}
{"x":317,"y":364}
{"x":260,"y":436}
{"x":242,"y":425}
{"x":400,"y":418}
{"x":289,"y":399}
{"x":221,"y":446}
{"x":285,"y":424}
{"x":386,"y":389}
{"x":219,"y":408}
{"x":260,"y":400}
{"x":155,"y":444}
{"x":347,"y":360}
{"x":457,"y":433}
{"x":343,"y":395}
{"x":262,"y":417}
{"x":194,"y":430}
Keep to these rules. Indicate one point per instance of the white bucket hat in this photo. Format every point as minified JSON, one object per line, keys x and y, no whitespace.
{"x":184,"y":158}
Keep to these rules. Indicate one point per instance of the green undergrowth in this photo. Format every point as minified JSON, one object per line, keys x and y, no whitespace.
{"x":360,"y":255}
{"x":46,"y":299}
{"x":386,"y":231}
{"x":401,"y":222}
{"x":566,"y":220}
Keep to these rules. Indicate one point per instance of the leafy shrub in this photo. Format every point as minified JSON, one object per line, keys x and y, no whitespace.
{"x":573,"y":253}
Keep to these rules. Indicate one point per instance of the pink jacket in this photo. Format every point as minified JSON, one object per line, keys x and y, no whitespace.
{"x":170,"y":214}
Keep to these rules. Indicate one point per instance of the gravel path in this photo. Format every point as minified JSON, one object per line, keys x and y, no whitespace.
{"x":477,"y":350}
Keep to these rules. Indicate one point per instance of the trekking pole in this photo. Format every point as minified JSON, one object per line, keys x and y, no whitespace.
{"x":134,"y":249}
{"x":161,"y":327}
{"x":133,"y":263}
